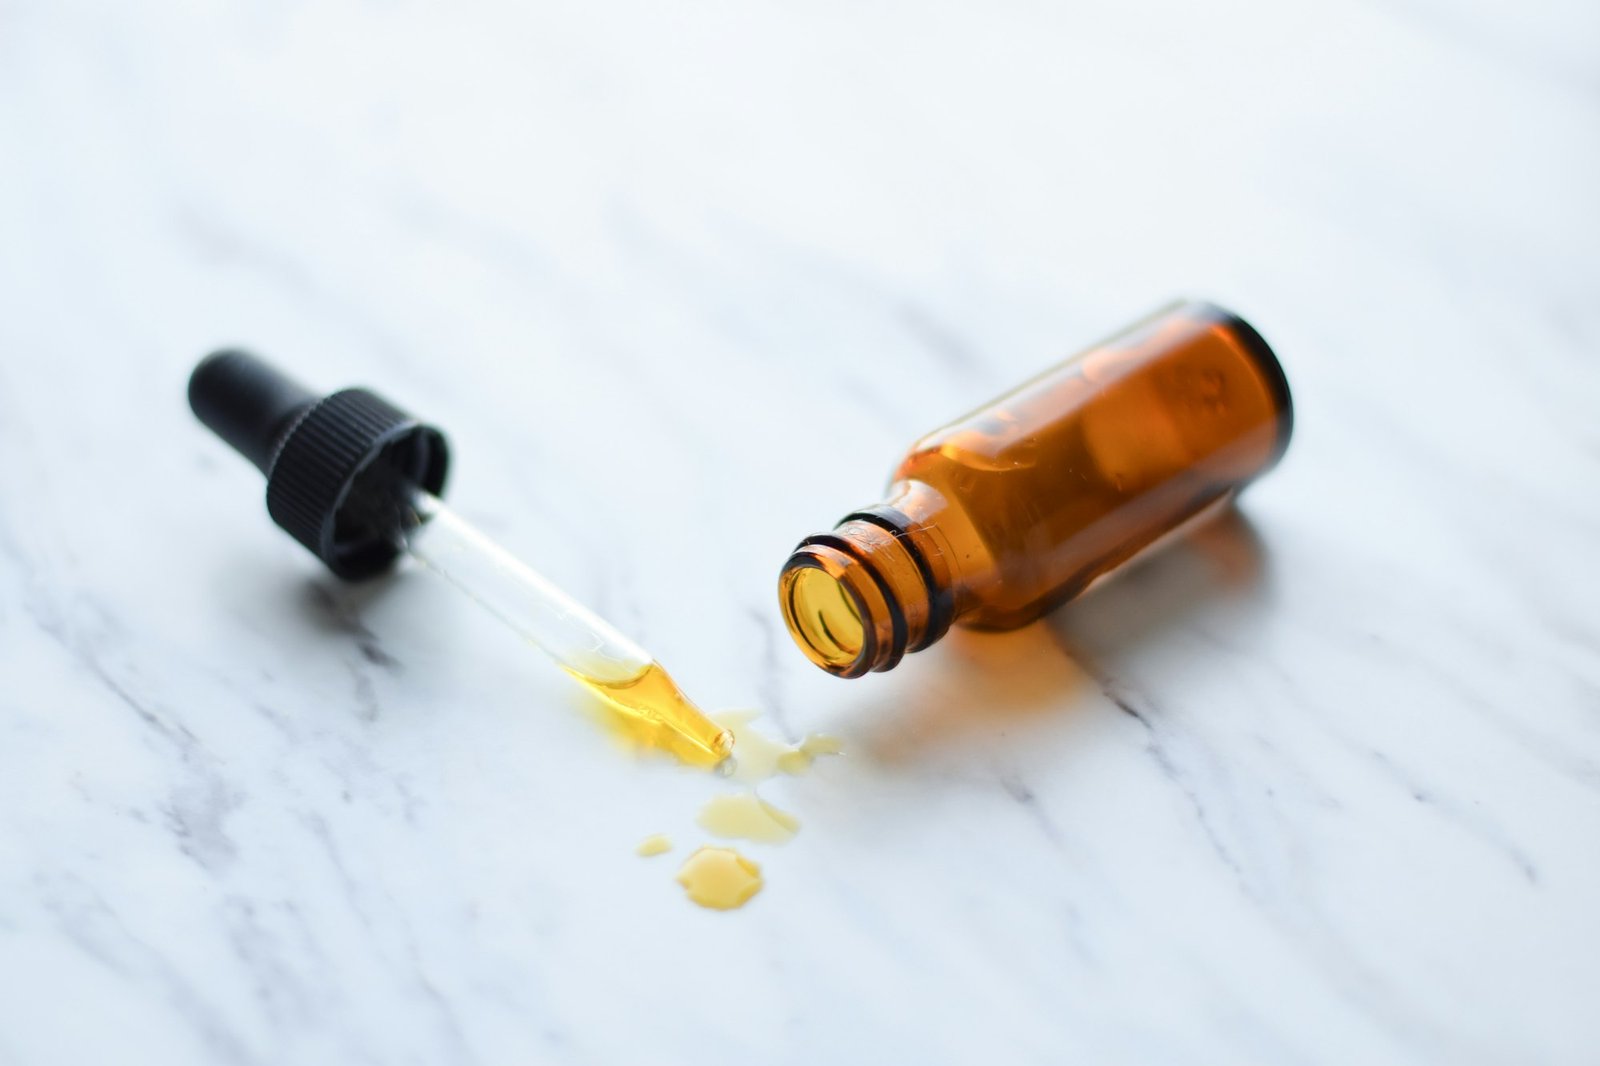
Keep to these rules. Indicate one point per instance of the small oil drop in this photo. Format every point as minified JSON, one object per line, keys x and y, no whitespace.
{"x":650,"y":711}
{"x":655,"y":844}
{"x":720,"y":878}
{"x":746,"y":816}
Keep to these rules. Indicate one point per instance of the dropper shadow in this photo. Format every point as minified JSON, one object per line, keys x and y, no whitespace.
{"x":981,"y":684}
{"x":335,"y":608}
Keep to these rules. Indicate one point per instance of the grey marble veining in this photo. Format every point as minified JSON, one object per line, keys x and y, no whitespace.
{"x":1321,"y":784}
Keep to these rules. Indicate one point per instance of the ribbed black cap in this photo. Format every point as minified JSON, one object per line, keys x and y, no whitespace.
{"x":340,"y":470}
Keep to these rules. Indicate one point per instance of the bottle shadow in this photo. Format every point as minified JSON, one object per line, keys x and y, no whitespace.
{"x":999,"y":687}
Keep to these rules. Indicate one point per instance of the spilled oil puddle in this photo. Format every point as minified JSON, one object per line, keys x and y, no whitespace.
{"x":720,"y":878}
{"x":757,"y":757}
{"x":798,"y":760}
{"x":746,"y":816}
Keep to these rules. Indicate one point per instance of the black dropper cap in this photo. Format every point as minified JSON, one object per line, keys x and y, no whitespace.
{"x":341,"y":470}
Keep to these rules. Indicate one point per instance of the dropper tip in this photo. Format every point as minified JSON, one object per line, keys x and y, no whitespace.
{"x":722,"y":746}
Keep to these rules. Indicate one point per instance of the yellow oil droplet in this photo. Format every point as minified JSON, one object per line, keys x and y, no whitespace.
{"x":650,"y":711}
{"x":655,"y":844}
{"x":746,"y":816}
{"x":720,"y":878}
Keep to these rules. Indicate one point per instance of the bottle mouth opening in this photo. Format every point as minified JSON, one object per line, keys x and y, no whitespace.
{"x":823,"y":617}
{"x":859,"y":598}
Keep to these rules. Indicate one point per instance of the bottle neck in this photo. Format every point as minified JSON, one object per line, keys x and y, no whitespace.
{"x":882,"y":584}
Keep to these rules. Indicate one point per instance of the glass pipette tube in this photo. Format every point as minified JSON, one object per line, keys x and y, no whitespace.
{"x":654,"y":711}
{"x":354,"y":479}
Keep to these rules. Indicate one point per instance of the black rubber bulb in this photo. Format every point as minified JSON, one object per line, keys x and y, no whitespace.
{"x":247,"y":403}
{"x":342,"y":470}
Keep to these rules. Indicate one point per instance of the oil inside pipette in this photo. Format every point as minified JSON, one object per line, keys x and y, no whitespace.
{"x":720,"y":878}
{"x":651,"y":711}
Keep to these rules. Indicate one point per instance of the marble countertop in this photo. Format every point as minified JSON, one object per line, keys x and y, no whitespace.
{"x":1319,"y":785}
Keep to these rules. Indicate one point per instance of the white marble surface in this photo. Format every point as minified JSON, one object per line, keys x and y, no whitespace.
{"x":1321,"y":786}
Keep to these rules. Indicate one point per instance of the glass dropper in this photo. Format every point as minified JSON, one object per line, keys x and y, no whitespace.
{"x":356,"y":480}
{"x":655,"y":711}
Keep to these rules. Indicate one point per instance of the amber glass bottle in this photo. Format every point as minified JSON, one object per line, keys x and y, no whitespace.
{"x":1019,"y":506}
